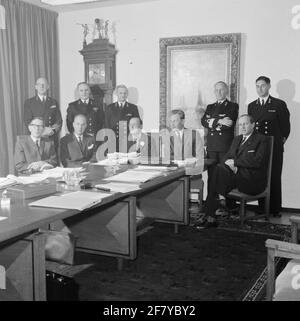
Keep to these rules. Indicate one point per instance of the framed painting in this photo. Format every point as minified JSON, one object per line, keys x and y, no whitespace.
{"x":189,"y":68}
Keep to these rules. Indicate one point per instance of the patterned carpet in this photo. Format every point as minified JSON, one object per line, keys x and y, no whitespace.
{"x":215,"y":264}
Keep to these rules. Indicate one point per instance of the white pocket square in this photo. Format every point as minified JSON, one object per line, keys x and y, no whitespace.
{"x":251,"y":151}
{"x":91,"y":146}
{"x":53,"y":106}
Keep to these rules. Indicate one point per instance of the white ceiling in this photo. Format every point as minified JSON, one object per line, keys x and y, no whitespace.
{"x":82,"y":6}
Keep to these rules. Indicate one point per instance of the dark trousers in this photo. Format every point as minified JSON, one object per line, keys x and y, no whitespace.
{"x":276,"y":194}
{"x":218,"y":156}
{"x":223,"y":180}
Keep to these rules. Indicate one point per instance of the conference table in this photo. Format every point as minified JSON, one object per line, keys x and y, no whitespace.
{"x":109,"y":228}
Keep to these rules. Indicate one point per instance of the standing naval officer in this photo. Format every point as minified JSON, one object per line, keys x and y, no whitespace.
{"x":45,"y":107}
{"x":219,"y":118}
{"x":272,"y":118}
{"x":120,"y":113}
{"x":87,"y":106}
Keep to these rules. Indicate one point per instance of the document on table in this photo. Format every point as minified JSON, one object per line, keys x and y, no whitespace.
{"x":2,"y":218}
{"x":79,"y":200}
{"x":27,"y":179}
{"x":154,"y":168}
{"x":132,"y":176}
{"x":7,"y":182}
{"x":118,"y":187}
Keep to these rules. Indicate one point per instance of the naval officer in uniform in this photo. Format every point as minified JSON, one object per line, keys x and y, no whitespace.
{"x":86,"y":106}
{"x":45,"y":107}
{"x":219,"y":119}
{"x":118,"y":115}
{"x":272,"y":118}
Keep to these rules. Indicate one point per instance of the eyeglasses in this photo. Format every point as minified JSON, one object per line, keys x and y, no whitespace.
{"x":36,"y":126}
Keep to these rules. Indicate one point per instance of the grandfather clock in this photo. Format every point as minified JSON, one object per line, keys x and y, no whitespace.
{"x":100,"y":69}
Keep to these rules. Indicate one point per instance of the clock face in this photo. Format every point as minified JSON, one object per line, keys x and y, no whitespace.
{"x":96,"y":74}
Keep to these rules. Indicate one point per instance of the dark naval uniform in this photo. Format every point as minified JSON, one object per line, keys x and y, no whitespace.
{"x":48,"y":110}
{"x":116,"y":116}
{"x":273,"y":119}
{"x":94,"y":115}
{"x":219,"y":137}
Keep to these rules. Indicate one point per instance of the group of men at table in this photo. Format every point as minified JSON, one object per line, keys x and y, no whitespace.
{"x":240,"y":161}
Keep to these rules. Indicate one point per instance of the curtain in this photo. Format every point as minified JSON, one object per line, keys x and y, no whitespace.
{"x":28,"y":50}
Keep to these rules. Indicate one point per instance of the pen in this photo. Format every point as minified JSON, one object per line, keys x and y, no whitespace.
{"x":103,"y":189}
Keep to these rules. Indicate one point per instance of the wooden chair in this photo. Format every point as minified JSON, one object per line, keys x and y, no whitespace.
{"x":244,"y":198}
{"x":281,"y":249}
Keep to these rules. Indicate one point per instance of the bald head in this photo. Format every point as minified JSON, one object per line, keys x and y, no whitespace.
{"x":42,"y":86}
{"x":79,"y":124}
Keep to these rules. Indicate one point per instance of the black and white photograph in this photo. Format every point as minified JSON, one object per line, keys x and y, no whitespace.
{"x":149,"y":155}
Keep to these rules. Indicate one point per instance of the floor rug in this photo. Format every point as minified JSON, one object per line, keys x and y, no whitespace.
{"x":200,"y":265}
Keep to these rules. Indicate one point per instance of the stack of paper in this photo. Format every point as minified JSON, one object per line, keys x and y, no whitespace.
{"x":7,"y":182}
{"x":134,"y":176}
{"x":79,"y":200}
{"x":26,"y":179}
{"x":154,"y":168}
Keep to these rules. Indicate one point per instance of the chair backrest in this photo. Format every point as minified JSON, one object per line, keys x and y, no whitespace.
{"x":270,"y":142}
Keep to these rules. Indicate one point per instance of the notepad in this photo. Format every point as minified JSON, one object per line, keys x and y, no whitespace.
{"x":79,"y":200}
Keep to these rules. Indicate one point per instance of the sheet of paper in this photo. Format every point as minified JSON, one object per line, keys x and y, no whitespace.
{"x":79,"y":200}
{"x":2,"y":218}
{"x":153,"y":168}
{"x":132,"y":176}
{"x":27,"y":179}
{"x":7,"y":182}
{"x":119,"y":187}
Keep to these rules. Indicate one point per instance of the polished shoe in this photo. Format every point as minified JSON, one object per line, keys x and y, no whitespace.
{"x":221,"y":212}
{"x":206,"y":224}
{"x":222,"y":204}
{"x":276,"y":214}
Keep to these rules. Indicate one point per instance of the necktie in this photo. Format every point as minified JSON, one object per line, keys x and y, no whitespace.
{"x":80,"y":142}
{"x":241,"y":144}
{"x":262,"y":102}
{"x":37,"y":145}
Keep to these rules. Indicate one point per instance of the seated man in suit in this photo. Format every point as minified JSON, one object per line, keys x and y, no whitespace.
{"x":138,"y":141}
{"x":243,"y":167}
{"x":185,"y":143}
{"x":34,"y":152}
{"x":77,"y":147}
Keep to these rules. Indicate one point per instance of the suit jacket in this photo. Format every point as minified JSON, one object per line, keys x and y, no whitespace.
{"x":26,"y":152}
{"x":114,"y":114}
{"x":72,"y":155}
{"x":48,"y":110}
{"x":272,"y":119}
{"x":219,"y":137}
{"x":93,"y":113}
{"x":145,"y":145}
{"x":251,"y":159}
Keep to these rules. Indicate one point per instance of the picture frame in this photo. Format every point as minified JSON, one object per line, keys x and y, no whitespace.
{"x":189,"y":68}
